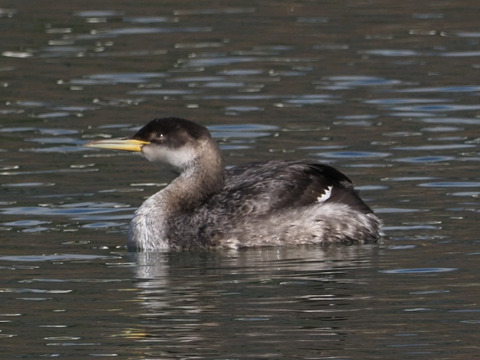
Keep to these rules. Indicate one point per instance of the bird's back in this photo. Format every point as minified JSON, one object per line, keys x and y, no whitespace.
{"x":279,"y":202}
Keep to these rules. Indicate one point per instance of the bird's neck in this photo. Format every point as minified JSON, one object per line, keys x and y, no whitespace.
{"x":198,"y":182}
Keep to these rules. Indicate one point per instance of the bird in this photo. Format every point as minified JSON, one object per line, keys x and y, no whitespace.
{"x":274,"y":203}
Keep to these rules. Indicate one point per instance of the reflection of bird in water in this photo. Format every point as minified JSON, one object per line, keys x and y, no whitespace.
{"x":258,"y":204}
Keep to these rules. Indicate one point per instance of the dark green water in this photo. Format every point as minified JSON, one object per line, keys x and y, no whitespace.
{"x":387,"y":92}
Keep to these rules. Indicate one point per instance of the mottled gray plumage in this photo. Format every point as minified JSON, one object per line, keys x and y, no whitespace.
{"x":272,"y":203}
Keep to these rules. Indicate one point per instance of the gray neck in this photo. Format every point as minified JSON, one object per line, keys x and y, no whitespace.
{"x":202,"y":178}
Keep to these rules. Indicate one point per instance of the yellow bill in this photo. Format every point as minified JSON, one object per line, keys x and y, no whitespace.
{"x":118,"y":144}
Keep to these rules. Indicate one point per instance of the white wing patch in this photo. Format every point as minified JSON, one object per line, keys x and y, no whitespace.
{"x":326,"y":195}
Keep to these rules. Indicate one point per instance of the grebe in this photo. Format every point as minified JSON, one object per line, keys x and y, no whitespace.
{"x":257,"y":204}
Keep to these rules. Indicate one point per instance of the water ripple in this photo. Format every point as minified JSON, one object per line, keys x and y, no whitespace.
{"x":69,"y":210}
{"x":54,"y":257}
{"x":435,"y":147}
{"x":391,"y":52}
{"x":418,"y":270}
{"x":146,"y":19}
{"x":349,"y":82}
{"x":452,"y":120}
{"x":353,"y":154}
{"x":117,"y":78}
{"x":437,"y":108}
{"x":425,"y":159}
{"x":98,"y":13}
{"x":451,"y":184}
{"x":442,"y":89}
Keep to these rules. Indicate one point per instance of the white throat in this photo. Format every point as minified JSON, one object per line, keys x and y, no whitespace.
{"x":180,"y":159}
{"x":147,"y":229}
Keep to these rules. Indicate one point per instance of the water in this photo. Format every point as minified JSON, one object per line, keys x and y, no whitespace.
{"x":386,"y":92}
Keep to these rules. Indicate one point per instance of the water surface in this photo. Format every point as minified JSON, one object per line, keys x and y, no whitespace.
{"x":388,"y":93}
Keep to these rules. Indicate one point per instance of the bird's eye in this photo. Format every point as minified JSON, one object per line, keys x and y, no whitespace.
{"x":160,"y":137}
